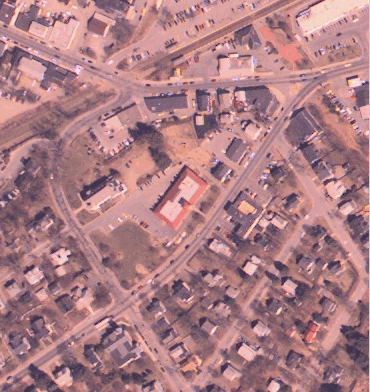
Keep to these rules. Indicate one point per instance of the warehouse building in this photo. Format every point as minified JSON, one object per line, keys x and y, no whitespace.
{"x":184,"y":192}
{"x":166,"y":103}
{"x":326,"y":12}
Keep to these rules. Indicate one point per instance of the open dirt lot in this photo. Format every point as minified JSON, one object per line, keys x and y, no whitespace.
{"x":132,"y":253}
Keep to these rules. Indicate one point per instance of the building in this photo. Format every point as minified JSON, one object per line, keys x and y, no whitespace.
{"x":222,"y":172}
{"x":63,"y":377}
{"x":311,"y":332}
{"x":335,"y":189}
{"x":208,"y":326}
{"x":260,"y":99}
{"x":213,"y":279}
{"x":222,"y":309}
{"x":19,"y":344}
{"x":57,"y":75}
{"x":99,"y":24}
{"x":31,"y":68}
{"x":191,"y":364}
{"x":23,"y":22}
{"x":232,"y":292}
{"x":230,"y":373}
{"x":152,"y":386}
{"x":184,"y":192}
{"x":225,"y":99}
{"x":178,"y":352}
{"x":310,"y":153}
{"x":248,"y":37}
{"x":251,"y":129}
{"x":12,"y":288}
{"x":92,"y":357}
{"x":62,"y":34}
{"x":166,"y":103}
{"x":247,"y":352}
{"x":7,"y":10}
{"x":293,"y":359}
{"x":156,"y":308}
{"x":326,"y":12}
{"x":38,"y":327}
{"x":168,"y":336}
{"x":353,"y":81}
{"x":362,"y":100}
{"x":274,"y":386}
{"x":328,"y":304}
{"x":291,"y":202}
{"x":322,"y":171}
{"x":347,"y":208}
{"x":60,"y":256}
{"x":244,"y":213}
{"x":121,"y":347}
{"x":38,"y":30}
{"x":275,"y":306}
{"x":33,"y":275}
{"x":289,"y":287}
{"x":65,"y":303}
{"x":302,"y":127}
{"x":220,"y":248}
{"x":306,"y":264}
{"x":235,"y":65}
{"x":236,"y":150}
{"x":204,"y":101}
{"x":250,"y":268}
{"x":261,"y":329}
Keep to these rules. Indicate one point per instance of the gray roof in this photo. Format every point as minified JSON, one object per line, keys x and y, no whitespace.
{"x":236,"y":150}
{"x":248,"y":36}
{"x":166,"y":103}
{"x":261,"y":98}
{"x":204,"y":102}
{"x":6,"y":12}
{"x":362,"y":95}
{"x":321,"y":170}
{"x":23,"y":22}
{"x":220,"y":171}
{"x":310,"y":153}
{"x":302,"y":127}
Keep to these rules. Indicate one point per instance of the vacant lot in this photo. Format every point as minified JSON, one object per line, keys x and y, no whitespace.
{"x":130,"y":250}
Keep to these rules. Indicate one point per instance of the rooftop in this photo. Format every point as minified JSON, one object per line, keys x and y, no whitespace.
{"x":302,"y":127}
{"x":236,"y":150}
{"x":166,"y":103}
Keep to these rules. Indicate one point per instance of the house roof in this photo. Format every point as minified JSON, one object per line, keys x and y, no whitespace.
{"x":221,"y":171}
{"x":362,"y":95}
{"x":166,"y":103}
{"x":204,"y":102}
{"x":302,"y":127}
{"x":97,"y":26}
{"x":6,"y":12}
{"x":236,"y":150}
{"x":38,"y":327}
{"x":321,"y":170}
{"x":64,"y":303}
{"x":261,"y":98}
{"x":247,"y":352}
{"x":310,"y":153}
{"x":248,"y":36}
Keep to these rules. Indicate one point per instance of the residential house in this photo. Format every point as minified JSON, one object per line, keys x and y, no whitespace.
{"x":41,"y":294}
{"x":222,"y":309}
{"x":191,"y":364}
{"x":219,"y":247}
{"x":33,"y":275}
{"x":311,"y":332}
{"x":322,"y":171}
{"x":302,"y":127}
{"x":293,"y":359}
{"x":156,"y":308}
{"x":38,"y":327}
{"x":274,"y":386}
{"x":99,"y":24}
{"x":250,"y":268}
{"x":19,"y":344}
{"x":261,"y":329}
{"x":335,"y":189}
{"x":178,"y":352}
{"x":152,"y":386}
{"x":289,"y":287}
{"x":121,"y":347}
{"x":92,"y":357}
{"x":236,"y":150}
{"x":213,"y":279}
{"x":225,"y":99}
{"x":347,"y":208}
{"x":206,"y":303}
{"x":328,"y":304}
{"x":183,"y":292}
{"x":306,"y":264}
{"x":292,"y":202}
{"x":247,"y":352}
{"x":333,"y":374}
{"x":208,"y":326}
{"x":60,"y":257}
{"x":230,"y":373}
{"x":310,"y":153}
{"x":279,"y":222}
{"x":83,"y":296}
{"x":358,"y":225}
{"x":222,"y":172}
{"x":232,"y":292}
{"x":161,"y":324}
{"x":63,"y":377}
{"x":168,"y":336}
{"x":65,"y":303}
{"x":12,"y":288}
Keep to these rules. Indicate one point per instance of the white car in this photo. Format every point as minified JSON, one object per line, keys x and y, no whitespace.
{"x":78,"y":69}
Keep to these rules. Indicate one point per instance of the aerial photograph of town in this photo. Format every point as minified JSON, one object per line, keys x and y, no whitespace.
{"x":184,"y":196}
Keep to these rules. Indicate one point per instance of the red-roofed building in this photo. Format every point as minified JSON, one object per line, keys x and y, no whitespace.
{"x":184,"y":192}
{"x":311,"y":332}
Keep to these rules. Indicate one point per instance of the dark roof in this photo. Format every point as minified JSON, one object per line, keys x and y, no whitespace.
{"x":321,"y":170}
{"x":221,"y":171}
{"x":96,"y":26}
{"x":277,"y":172}
{"x":248,"y":36}
{"x":65,"y":303}
{"x":273,"y":304}
{"x":302,"y":127}
{"x":293,"y":359}
{"x":34,"y":11}
{"x":38,"y":327}
{"x":23,"y":22}
{"x":2,"y":47}
{"x":291,"y":201}
{"x":310,"y":153}
{"x":95,"y":187}
{"x":6,"y":12}
{"x":204,"y":102}
{"x":358,"y":225}
{"x":236,"y":150}
{"x":59,"y":76}
{"x":261,"y":98}
{"x":362,"y":95}
{"x":91,"y":356}
{"x":166,"y":103}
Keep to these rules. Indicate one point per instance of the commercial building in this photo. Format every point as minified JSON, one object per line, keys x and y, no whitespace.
{"x":166,"y":103}
{"x":99,"y":24}
{"x":203,"y":101}
{"x":39,"y":30}
{"x":235,"y":65}
{"x":184,"y":192}
{"x":261,"y":99}
{"x":302,"y":127}
{"x":62,"y":34}
{"x":326,"y":12}
{"x":7,"y":10}
{"x":31,"y":68}
{"x":57,"y":75}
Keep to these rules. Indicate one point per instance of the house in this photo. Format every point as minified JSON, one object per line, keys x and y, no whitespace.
{"x":247,"y":352}
{"x":346,"y":208}
{"x":152,"y":386}
{"x":19,"y":344}
{"x":261,"y":99}
{"x":41,"y":294}
{"x":292,"y":201}
{"x":219,"y":247}
{"x":12,"y":288}
{"x":277,"y":174}
{"x":232,"y":292}
{"x":99,"y":24}
{"x":222,"y":172}
{"x":92,"y":357}
{"x":333,"y":374}
{"x":289,"y":287}
{"x":328,"y":304}
{"x":225,"y":99}
{"x":191,"y":364}
{"x":230,"y":373}
{"x":32,"y":68}
{"x":208,"y":326}
{"x":161,"y":324}
{"x":250,"y":268}
{"x":311,"y":332}
{"x":178,"y":352}
{"x":183,"y":292}
{"x":38,"y":327}
{"x":83,"y":296}
{"x":247,"y":37}
{"x":322,"y":171}
{"x":279,"y":222}
{"x":358,"y":225}
{"x":206,"y":303}
{"x":302,"y":127}
{"x":261,"y":329}
{"x":334,"y":266}
{"x":121,"y":347}
{"x":274,"y":386}
{"x":33,"y":275}
{"x":322,"y":264}
{"x":212,"y":279}
{"x":244,"y":213}
{"x":222,"y":309}
{"x":306,"y":264}
{"x":226,"y":118}
{"x":168,"y":336}
{"x":335,"y":189}
{"x":251,"y":129}
{"x":310,"y":153}
{"x":156,"y":308}
{"x":63,"y":377}
{"x":199,"y":120}
{"x":203,"y":101}
{"x":60,"y":257}
{"x":60,"y":271}
{"x":236,"y":150}
{"x":293,"y":359}
{"x":65,"y":303}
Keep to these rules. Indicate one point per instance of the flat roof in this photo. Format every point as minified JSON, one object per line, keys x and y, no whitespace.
{"x":236,"y":150}
{"x":185,"y":191}
{"x":325,"y":12}
{"x":6,"y":12}
{"x":31,"y":68}
{"x":38,"y":29}
{"x":62,"y":34}
{"x":301,"y":127}
{"x":166,"y":103}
